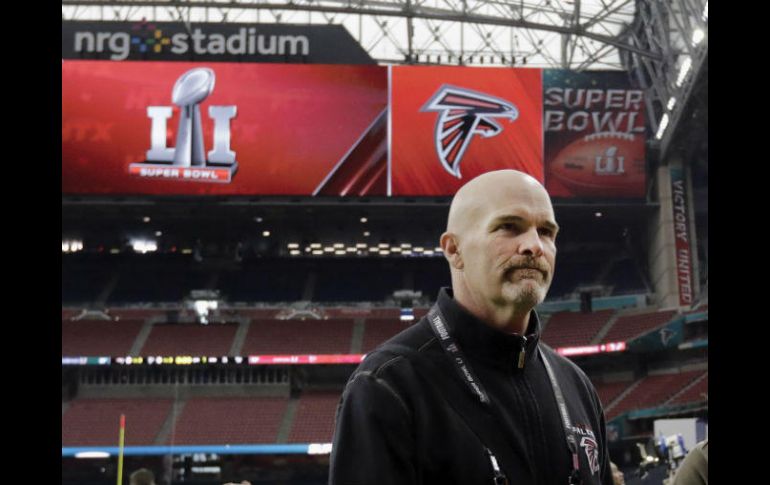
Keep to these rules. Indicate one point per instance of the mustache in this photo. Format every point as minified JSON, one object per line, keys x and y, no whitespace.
{"x":526,"y":263}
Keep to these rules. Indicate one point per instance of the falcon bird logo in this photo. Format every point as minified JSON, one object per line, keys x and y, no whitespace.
{"x":592,"y":453}
{"x":666,"y":334}
{"x":463,"y":114}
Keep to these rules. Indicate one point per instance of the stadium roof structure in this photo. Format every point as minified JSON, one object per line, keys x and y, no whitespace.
{"x":661,"y":44}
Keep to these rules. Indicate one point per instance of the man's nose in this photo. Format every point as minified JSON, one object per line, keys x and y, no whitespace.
{"x":531,"y":244}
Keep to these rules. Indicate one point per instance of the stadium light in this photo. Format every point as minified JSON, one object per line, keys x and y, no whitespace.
{"x":146,"y":219}
{"x":418,"y":249}
{"x":406,"y":245}
{"x":317,"y":252}
{"x":294,"y":252}
{"x":361,"y":246}
{"x":671,"y":103}
{"x":339,"y":252}
{"x":428,"y":252}
{"x":92,"y":454}
{"x":338,"y":245}
{"x":364,"y":220}
{"x":395,"y":250}
{"x":662,"y":126}
{"x":697,"y":36}
{"x":266,"y":233}
{"x":144,"y":246}
{"x":598,"y":214}
{"x":384,"y":252}
{"x":293,"y":246}
{"x":158,"y":233}
{"x":366,"y":233}
{"x":383,"y":245}
{"x":684,"y":70}
{"x":315,"y":246}
{"x":329,"y":249}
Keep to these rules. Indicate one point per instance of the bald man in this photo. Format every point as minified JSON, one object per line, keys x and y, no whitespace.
{"x":469,"y":394}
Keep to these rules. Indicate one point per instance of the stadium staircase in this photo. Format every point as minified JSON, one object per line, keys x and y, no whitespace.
{"x":141,"y":338}
{"x":101,"y":299}
{"x":606,"y":328}
{"x":686,"y":389}
{"x":166,"y":430}
{"x":309,"y":288}
{"x":357,"y":341}
{"x":240,"y":337}
{"x":288,"y":421}
{"x":621,"y":397}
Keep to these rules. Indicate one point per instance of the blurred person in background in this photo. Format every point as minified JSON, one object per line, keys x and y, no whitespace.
{"x":617,"y":475}
{"x":142,"y":476}
{"x":694,"y":469}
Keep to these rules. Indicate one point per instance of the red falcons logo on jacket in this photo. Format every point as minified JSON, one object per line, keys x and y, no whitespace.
{"x":592,"y":453}
{"x":464,"y":114}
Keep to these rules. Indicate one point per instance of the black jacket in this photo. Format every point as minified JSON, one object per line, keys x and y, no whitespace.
{"x":406,"y":416}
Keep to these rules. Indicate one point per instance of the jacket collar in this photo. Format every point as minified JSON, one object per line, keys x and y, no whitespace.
{"x":485,"y":343}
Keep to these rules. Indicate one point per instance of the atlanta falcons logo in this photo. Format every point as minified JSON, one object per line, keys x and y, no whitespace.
{"x":464,"y":113}
{"x":592,"y":453}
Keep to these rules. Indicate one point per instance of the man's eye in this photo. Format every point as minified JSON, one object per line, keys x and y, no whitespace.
{"x":545,"y":232}
{"x":507,"y":226}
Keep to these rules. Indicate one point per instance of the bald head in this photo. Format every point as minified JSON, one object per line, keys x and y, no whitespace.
{"x":474,"y":199}
{"x":500,"y":243}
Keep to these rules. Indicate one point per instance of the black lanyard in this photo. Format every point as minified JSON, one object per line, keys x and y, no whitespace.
{"x":574,"y":478}
{"x":438,"y":325}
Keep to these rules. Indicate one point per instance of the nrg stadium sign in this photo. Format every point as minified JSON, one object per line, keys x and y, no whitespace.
{"x":173,"y":41}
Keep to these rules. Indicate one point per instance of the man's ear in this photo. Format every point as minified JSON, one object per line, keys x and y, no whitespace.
{"x":451,"y":249}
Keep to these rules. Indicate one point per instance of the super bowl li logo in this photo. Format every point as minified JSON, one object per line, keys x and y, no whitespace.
{"x":187,"y":160}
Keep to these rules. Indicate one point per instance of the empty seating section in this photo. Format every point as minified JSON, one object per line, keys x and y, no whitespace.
{"x":698,"y":392}
{"x":377,"y":331}
{"x":653,"y":391}
{"x":430,"y":275}
{"x":570,"y":329}
{"x":314,"y":419}
{"x":190,"y":339}
{"x":363,"y":281}
{"x":331,"y":336}
{"x":95,"y":422}
{"x":624,"y":278}
{"x":627,"y":327}
{"x":229,"y":421}
{"x":262,"y":284}
{"x":82,"y":285}
{"x":420,"y":312}
{"x":569,"y":274}
{"x":609,"y":391}
{"x":98,"y":338}
{"x":153,"y":284}
{"x":67,"y":313}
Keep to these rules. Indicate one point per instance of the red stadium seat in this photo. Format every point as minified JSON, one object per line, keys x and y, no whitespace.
{"x":314,"y":420}
{"x":95,"y":422}
{"x":229,"y":421}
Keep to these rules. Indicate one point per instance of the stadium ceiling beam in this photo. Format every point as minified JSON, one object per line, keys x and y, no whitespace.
{"x":408,"y":10}
{"x":678,"y":31}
